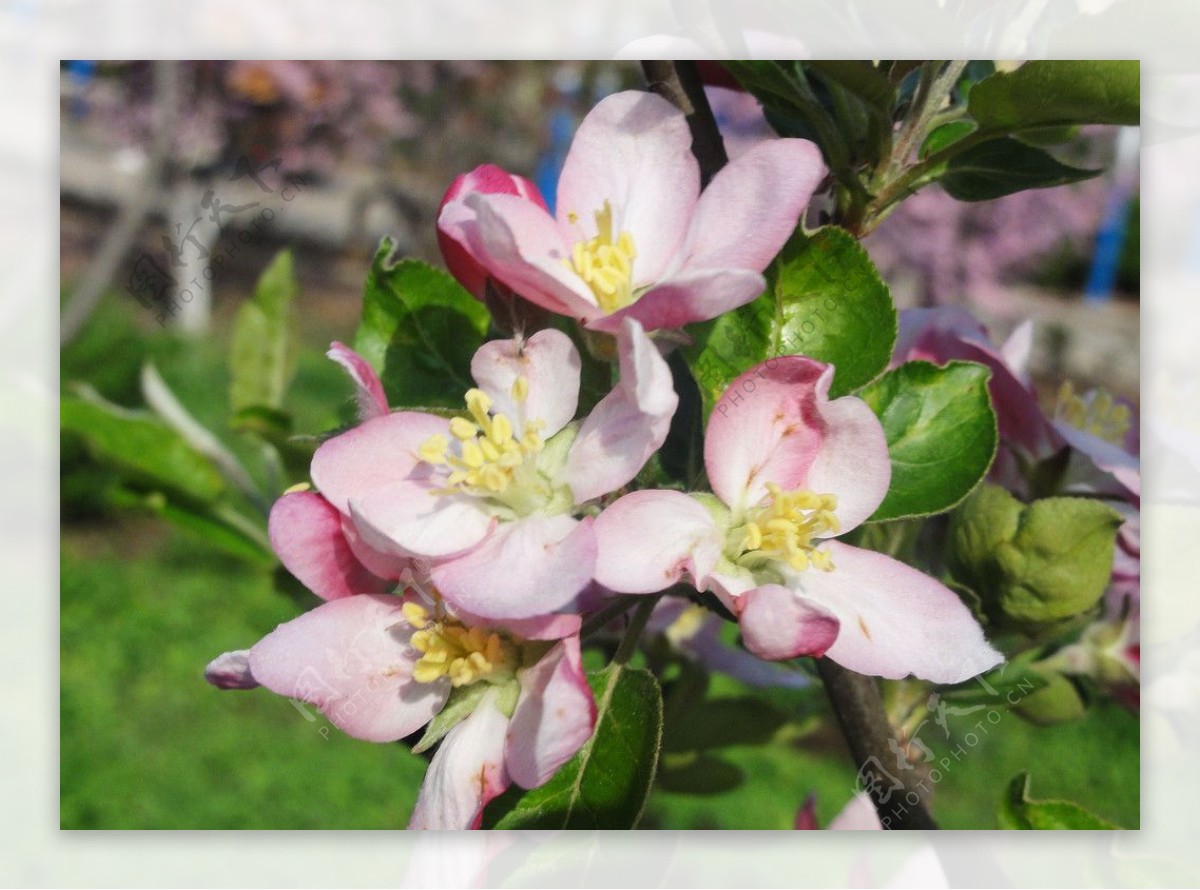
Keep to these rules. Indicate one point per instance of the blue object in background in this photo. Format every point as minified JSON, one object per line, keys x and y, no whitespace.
{"x":81,"y":72}
{"x":1110,"y":240}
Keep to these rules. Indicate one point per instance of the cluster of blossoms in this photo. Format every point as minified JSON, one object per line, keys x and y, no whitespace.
{"x":457,"y":556}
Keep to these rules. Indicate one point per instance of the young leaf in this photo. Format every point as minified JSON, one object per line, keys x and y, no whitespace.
{"x":143,"y":448}
{"x":260,"y":358}
{"x":824,"y":299}
{"x":1043,"y":562}
{"x":941,"y":434}
{"x":1018,"y":811}
{"x":606,"y":784}
{"x":419,"y":331}
{"x":1058,"y":93}
{"x":1001,"y":167}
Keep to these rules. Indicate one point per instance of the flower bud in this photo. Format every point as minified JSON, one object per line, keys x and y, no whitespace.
{"x":487,"y":179}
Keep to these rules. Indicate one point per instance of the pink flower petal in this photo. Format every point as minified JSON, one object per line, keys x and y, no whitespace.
{"x":633,"y":150}
{"x":381,"y":451}
{"x":372,"y":402}
{"x":352,"y":659}
{"x":767,"y":427}
{"x":555,"y":715}
{"x":628,"y":425}
{"x":647,"y":540}
{"x":690,"y":296}
{"x":521,"y":246}
{"x":550,"y":364}
{"x":896,"y":621}
{"x":466,"y":772}
{"x":527,"y":567}
{"x":408,"y":518}
{"x":760,"y":196}
{"x":379,"y":563}
{"x":778,"y":623}
{"x":853,"y":460}
{"x":306,"y":534}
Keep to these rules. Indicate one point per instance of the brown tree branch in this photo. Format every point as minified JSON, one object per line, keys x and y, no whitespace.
{"x":855,"y":698}
{"x":679,"y":83}
{"x":860,"y":713}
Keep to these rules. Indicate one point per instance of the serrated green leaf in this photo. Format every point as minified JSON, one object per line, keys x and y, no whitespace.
{"x":1058,"y":93}
{"x":606,"y":784}
{"x":146,"y":450}
{"x":1018,"y":811}
{"x":1032,"y":564}
{"x":824,"y":299}
{"x":1001,"y":167}
{"x":941,"y":434}
{"x":419,"y":330}
{"x":260,"y":357}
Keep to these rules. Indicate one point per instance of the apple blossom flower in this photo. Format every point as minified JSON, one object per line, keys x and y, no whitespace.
{"x":634,"y":237}
{"x":380,"y":667}
{"x":792,"y":469}
{"x":490,"y":500}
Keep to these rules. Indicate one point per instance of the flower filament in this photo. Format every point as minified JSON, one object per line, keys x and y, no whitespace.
{"x":451,"y":649}
{"x":1095,"y":412}
{"x":606,"y":264}
{"x":784,"y":529}
{"x":490,"y":451}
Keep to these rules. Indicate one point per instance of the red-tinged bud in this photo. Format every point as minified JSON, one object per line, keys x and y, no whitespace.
{"x":487,"y":179}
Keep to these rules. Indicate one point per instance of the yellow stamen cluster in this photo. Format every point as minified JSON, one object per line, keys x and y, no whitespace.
{"x":451,"y":649}
{"x":606,"y":264}
{"x":489,"y":448}
{"x":784,"y":528}
{"x":1096,"y":413}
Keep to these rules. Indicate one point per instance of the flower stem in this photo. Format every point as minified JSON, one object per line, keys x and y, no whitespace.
{"x":633,"y":632}
{"x":859,"y":710}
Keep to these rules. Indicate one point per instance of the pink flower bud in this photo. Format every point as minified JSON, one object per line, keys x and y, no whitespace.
{"x":486,"y":179}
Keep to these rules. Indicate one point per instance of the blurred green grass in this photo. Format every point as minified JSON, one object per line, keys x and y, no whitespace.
{"x":145,"y":743}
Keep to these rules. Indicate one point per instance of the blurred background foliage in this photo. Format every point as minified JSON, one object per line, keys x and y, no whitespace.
{"x":145,"y":743}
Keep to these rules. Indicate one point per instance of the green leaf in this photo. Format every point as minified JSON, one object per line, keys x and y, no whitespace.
{"x":146,"y":450}
{"x":945,"y":135}
{"x":941,"y":434}
{"x":1039,"y":563}
{"x":1058,"y":701}
{"x":863,"y":79}
{"x":419,"y":331}
{"x":1058,"y":93}
{"x":606,"y":784}
{"x":1018,"y":811}
{"x":824,"y":299}
{"x":260,"y":357}
{"x":1013,"y":683}
{"x":1001,"y":167}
